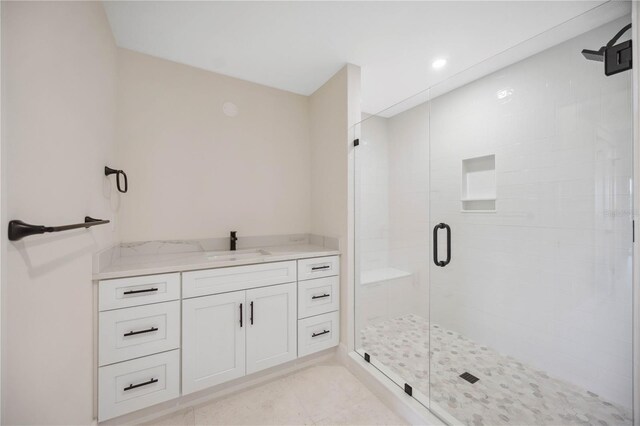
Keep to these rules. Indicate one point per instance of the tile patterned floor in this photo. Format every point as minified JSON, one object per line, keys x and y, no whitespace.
{"x":326,"y":394}
{"x":508,"y":392}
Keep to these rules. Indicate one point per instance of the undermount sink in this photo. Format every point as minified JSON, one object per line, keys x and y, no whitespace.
{"x":236,"y":254}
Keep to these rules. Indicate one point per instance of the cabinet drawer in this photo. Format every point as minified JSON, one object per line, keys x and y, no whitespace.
{"x":318,"y":296}
{"x":136,"y":384}
{"x":134,"y":332}
{"x":318,"y":267}
{"x":127,"y":292}
{"x":222,"y":280}
{"x":318,"y":333}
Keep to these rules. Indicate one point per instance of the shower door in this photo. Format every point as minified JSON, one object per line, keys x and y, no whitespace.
{"x":392,"y":243}
{"x":530,"y":227}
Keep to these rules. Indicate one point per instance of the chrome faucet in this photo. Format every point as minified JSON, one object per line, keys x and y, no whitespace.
{"x":232,"y":240}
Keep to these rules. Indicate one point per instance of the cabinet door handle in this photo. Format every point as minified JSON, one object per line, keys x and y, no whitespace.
{"x":147,"y":290}
{"x":321,"y":296}
{"x":251,"y":318}
{"x":241,"y":315}
{"x":320,"y":334}
{"x":316,"y":268}
{"x":128,"y":388}
{"x":133,"y":333}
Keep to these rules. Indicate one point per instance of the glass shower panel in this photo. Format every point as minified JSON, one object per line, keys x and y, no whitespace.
{"x":531,"y":169}
{"x":392,"y":242}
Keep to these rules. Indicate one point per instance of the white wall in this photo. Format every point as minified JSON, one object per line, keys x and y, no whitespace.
{"x":333,"y":109}
{"x":329,"y":142}
{"x":195,"y":172}
{"x":58,"y":115}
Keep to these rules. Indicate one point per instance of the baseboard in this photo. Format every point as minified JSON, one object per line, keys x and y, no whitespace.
{"x":208,"y":395}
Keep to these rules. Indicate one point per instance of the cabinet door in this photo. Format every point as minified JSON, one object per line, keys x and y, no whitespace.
{"x":271,"y":326}
{"x":213,"y":339}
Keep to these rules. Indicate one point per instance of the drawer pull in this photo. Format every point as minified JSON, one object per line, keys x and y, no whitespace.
{"x":251,"y":313}
{"x":147,"y":290}
{"x":241,"y":315}
{"x":321,"y":296}
{"x":320,"y":334}
{"x":317,"y":268}
{"x":133,"y":333}
{"x":141,"y":384}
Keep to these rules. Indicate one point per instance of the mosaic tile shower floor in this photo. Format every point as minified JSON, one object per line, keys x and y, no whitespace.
{"x":508,"y":392}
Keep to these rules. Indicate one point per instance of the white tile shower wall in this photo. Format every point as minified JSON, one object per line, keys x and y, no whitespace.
{"x":547,"y":278}
{"x":371,"y":220}
{"x":408,"y":135}
{"x":373,"y":201}
{"x":392,"y":212}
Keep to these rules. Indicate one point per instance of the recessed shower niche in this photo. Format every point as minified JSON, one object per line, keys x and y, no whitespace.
{"x":479,"y":184}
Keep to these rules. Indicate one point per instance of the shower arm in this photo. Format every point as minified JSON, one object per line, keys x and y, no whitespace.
{"x":618,"y":35}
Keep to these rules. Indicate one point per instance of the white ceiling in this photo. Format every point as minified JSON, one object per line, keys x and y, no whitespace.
{"x":297,"y":46}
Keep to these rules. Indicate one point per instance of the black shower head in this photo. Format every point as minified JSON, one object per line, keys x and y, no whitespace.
{"x":616,"y":57}
{"x":594,"y":55}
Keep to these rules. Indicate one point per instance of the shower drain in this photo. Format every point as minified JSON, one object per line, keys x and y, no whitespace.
{"x":469,"y":377}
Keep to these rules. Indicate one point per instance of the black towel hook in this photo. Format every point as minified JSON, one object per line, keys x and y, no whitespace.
{"x":109,"y":171}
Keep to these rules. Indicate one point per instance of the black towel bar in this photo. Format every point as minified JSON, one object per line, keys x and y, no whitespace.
{"x":18,"y":229}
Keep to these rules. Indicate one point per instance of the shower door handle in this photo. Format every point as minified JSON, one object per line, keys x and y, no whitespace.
{"x":436,"y":228}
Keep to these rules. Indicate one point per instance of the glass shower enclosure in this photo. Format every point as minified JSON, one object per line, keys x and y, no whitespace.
{"x":493,"y":239}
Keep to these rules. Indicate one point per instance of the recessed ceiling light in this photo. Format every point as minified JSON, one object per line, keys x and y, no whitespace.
{"x":439,"y":63}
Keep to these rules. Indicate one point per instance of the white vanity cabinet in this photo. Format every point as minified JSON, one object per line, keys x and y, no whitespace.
{"x":228,"y":335}
{"x":201,"y":328}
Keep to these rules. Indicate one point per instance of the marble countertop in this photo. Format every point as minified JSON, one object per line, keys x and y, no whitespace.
{"x":160,"y":262}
